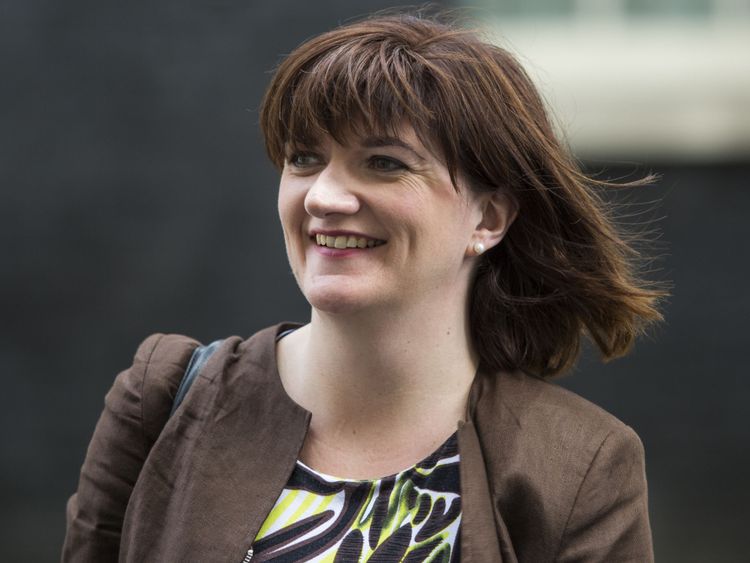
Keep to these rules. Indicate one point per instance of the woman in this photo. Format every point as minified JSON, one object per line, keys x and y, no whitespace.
{"x":453,"y":255}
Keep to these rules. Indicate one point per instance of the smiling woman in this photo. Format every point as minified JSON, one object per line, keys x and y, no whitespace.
{"x":453,"y":256}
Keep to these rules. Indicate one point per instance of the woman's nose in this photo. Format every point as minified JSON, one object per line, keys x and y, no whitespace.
{"x":330,"y":194}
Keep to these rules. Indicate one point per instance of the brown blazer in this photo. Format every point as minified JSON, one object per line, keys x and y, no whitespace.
{"x":545,"y":475}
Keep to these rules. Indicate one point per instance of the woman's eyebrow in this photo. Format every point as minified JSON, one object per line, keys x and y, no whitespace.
{"x":374,"y":142}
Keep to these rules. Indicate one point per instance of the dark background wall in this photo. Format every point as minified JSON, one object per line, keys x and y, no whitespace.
{"x":136,"y":198}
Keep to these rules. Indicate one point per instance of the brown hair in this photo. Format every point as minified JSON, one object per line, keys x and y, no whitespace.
{"x":562,"y":270}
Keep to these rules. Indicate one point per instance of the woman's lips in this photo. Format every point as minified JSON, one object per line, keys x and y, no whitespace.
{"x":339,"y":253}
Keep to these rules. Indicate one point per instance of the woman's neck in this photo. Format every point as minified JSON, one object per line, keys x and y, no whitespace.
{"x":365,"y":377}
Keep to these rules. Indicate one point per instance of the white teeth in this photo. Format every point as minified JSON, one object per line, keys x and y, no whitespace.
{"x":344,"y":241}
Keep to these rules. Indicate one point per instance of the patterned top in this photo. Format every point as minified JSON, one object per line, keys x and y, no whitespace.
{"x":412,"y":516}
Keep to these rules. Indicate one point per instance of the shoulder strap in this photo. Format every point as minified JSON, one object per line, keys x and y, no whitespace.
{"x":197,"y":361}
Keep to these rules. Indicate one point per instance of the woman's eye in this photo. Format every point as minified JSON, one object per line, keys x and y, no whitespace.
{"x":303,"y":159}
{"x":386,"y":164}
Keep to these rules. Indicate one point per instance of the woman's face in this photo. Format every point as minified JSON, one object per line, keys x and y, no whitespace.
{"x":376,"y":223}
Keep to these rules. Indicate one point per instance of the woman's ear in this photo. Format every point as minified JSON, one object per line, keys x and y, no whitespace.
{"x":499,"y":210}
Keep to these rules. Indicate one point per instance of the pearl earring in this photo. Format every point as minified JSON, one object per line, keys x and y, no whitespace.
{"x":479,"y":248}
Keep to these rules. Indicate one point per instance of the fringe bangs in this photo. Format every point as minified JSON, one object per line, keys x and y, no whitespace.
{"x":361,"y":89}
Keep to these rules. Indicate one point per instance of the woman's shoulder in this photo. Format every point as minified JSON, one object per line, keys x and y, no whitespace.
{"x":534,"y":403}
{"x":158,"y":351}
{"x":571,"y":461}
{"x":145,"y":390}
{"x":538,"y":424}
{"x":164,"y":357}
{"x":160,"y":364}
{"x":161,"y":360}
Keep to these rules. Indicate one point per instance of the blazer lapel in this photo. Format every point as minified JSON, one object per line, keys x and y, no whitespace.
{"x":479,"y":542}
{"x":273,"y":428}
{"x":230,"y":470}
{"x":484,"y":534}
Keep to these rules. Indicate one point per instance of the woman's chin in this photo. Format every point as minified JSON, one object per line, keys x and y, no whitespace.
{"x":336,"y":303}
{"x":339,"y":298}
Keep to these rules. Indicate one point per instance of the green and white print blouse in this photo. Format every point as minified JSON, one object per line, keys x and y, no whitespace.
{"x":412,"y":516}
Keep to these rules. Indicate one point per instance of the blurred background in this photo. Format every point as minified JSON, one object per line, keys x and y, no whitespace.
{"x":136,"y":198}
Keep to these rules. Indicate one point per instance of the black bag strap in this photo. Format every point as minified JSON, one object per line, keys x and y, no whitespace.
{"x":199,"y":358}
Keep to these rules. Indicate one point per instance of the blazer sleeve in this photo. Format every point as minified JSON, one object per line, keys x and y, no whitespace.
{"x":135,"y":410}
{"x":609,"y":518}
